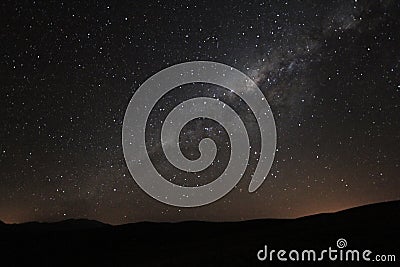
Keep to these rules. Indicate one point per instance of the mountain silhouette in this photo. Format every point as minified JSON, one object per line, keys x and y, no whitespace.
{"x":375,"y":227}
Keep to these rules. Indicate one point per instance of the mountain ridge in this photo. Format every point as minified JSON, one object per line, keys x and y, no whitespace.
{"x":74,"y":221}
{"x":196,"y":243}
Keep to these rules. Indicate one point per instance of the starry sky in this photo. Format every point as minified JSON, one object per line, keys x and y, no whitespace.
{"x":329,"y":70}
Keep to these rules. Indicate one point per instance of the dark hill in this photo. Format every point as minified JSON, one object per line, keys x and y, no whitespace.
{"x":374,"y":227}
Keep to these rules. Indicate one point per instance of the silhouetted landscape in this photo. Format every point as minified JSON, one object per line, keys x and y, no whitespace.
{"x":91,"y":243}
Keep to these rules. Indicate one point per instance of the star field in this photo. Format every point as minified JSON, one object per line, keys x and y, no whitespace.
{"x":330,"y":72}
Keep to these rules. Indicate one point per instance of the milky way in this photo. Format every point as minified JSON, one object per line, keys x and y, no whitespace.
{"x":329,"y":70}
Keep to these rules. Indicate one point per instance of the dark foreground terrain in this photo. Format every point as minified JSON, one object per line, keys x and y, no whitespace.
{"x":89,"y":243}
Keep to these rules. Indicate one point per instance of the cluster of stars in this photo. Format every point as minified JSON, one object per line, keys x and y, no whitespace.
{"x":330,"y":72}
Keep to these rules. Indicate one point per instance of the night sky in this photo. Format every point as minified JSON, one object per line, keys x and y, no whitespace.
{"x":329,"y":70}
